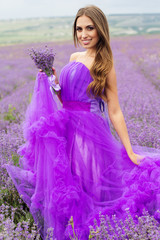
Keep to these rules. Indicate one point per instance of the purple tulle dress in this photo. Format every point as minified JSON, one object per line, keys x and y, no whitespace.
{"x":71,"y":164}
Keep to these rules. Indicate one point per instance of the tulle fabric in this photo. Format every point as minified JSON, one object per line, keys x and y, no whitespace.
{"x":71,"y":164}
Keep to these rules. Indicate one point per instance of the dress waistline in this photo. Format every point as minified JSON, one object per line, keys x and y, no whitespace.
{"x":76,"y":106}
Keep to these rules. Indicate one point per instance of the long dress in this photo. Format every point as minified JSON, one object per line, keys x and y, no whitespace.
{"x":71,"y":164}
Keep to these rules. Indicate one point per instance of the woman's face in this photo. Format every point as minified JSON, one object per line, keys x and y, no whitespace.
{"x":87,"y":34}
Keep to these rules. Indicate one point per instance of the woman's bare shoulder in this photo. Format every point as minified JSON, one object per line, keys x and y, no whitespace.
{"x":75,"y":55}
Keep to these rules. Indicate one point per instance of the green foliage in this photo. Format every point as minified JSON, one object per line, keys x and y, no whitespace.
{"x":71,"y":222}
{"x":10,"y":197}
{"x":30,"y":97}
{"x":10,"y":115}
{"x":15,"y":159}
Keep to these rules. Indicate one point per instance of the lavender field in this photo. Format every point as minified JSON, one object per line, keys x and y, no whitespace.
{"x":137,"y":62}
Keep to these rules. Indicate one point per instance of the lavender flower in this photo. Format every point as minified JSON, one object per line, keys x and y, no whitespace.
{"x":133,"y":228}
{"x":43,"y":59}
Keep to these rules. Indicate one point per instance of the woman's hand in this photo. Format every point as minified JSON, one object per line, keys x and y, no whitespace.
{"x":55,"y":74}
{"x":136,"y":158}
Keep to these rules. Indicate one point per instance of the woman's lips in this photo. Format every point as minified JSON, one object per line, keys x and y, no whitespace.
{"x":85,"y":42}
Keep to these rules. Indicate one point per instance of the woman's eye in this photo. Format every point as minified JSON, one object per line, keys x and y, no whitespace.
{"x":78,"y":29}
{"x":90,"y":28}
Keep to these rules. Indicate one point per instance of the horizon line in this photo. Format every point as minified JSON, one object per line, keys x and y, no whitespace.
{"x":71,"y":16}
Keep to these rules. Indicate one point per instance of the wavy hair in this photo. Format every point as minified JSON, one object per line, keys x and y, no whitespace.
{"x":103,"y":59}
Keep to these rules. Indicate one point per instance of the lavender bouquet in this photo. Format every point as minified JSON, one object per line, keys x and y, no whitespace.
{"x":44,"y":59}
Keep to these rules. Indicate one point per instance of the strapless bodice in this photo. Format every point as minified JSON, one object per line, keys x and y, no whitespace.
{"x":74,"y":80}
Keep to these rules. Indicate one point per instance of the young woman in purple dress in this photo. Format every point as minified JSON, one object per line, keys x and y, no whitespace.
{"x":71,"y":164}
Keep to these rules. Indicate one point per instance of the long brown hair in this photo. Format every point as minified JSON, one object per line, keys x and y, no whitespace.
{"x":103,"y":60}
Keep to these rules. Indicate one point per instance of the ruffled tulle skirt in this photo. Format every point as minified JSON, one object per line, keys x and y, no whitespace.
{"x":71,"y":165}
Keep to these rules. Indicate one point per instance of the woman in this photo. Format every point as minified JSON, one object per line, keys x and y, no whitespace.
{"x":72,"y":165}
{"x":93,"y":35}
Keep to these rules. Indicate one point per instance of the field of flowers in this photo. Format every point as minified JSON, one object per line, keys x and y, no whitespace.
{"x":137,"y":62}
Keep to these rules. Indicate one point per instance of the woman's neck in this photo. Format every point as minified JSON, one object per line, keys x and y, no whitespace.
{"x":90,"y":53}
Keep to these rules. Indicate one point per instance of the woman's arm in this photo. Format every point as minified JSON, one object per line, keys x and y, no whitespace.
{"x":116,"y":115}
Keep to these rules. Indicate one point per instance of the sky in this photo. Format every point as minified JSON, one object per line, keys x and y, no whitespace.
{"x":15,"y":9}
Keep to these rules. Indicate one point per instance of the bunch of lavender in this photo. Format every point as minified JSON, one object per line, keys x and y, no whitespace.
{"x":43,"y":59}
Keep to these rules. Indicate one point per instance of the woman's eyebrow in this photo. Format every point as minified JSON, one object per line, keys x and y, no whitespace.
{"x":89,"y":25}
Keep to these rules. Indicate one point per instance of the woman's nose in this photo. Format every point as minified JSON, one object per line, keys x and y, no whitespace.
{"x":84,"y":34}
